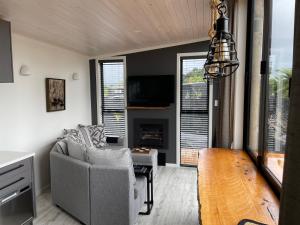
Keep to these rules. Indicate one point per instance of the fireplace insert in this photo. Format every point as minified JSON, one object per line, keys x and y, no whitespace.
{"x":152,"y":133}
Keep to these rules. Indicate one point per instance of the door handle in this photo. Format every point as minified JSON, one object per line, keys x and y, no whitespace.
{"x":9,"y":197}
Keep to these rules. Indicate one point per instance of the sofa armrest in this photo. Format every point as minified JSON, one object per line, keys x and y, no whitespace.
{"x":112,"y":196}
{"x":70,"y":185}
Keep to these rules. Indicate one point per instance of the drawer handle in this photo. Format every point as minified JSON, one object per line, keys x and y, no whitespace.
{"x":24,"y":189}
{"x":9,"y":197}
{"x":22,"y":178}
{"x":12,"y":169}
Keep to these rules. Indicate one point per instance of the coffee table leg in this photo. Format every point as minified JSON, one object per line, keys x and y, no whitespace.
{"x":149,"y":200}
{"x":148,"y":194}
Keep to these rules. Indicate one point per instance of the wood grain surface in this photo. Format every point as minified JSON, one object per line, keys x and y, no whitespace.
{"x":231,"y":189}
{"x":97,"y":27}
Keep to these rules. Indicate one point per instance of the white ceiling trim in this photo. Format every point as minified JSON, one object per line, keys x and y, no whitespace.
{"x":103,"y":56}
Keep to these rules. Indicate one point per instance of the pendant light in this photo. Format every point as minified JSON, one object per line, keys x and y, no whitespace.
{"x":222,"y":58}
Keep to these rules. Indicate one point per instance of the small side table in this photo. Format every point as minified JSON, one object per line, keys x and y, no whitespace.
{"x":146,"y":159}
{"x":146,"y":171}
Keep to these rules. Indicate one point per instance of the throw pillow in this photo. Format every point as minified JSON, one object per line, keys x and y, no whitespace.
{"x":110,"y":157}
{"x":76,"y":150}
{"x":61,"y":147}
{"x":74,"y":134}
{"x":85,"y":134}
{"x":94,"y":135}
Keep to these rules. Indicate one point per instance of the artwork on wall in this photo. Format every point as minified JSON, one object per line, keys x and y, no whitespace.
{"x":55,"y":94}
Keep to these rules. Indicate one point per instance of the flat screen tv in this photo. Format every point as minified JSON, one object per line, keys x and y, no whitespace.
{"x":151,"y":91}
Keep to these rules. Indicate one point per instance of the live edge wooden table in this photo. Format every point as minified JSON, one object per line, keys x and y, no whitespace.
{"x":231,"y":189}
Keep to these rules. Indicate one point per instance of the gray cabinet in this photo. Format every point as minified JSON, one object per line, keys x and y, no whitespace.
{"x":17,"y":198}
{"x":6,"y":67}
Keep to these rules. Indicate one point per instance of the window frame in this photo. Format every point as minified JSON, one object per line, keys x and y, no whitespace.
{"x":180,"y":59}
{"x":263,"y":113}
{"x":100,"y":89}
{"x":178,"y":99}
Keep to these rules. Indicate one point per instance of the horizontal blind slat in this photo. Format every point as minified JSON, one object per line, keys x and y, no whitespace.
{"x":113,"y":104}
{"x":194,"y":106}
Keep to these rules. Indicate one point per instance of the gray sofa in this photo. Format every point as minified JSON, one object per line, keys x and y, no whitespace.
{"x":95,"y":194}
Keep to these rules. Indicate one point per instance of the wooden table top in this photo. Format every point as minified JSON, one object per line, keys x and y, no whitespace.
{"x":231,"y":189}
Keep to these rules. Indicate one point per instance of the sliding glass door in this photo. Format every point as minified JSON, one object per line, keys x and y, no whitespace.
{"x":270,"y":54}
{"x":280,"y":60}
{"x":193,"y":110}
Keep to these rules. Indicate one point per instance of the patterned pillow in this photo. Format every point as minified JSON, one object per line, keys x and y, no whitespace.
{"x":85,"y":134}
{"x":74,"y":134}
{"x":61,"y":147}
{"x":94,"y":135}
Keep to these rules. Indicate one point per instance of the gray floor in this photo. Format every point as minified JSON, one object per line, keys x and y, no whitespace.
{"x":175,"y":201}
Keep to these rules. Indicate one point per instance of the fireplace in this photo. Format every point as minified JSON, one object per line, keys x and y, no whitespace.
{"x":152,"y":133}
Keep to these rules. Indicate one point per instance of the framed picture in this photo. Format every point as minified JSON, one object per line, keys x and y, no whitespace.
{"x":55,"y":94}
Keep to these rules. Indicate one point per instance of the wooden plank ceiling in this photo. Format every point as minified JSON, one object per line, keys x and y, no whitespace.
{"x":97,"y":27}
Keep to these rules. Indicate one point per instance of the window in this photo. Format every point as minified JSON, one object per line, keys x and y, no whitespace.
{"x":270,"y":42}
{"x":193,"y":109}
{"x":113,"y":97}
{"x":278,"y":83}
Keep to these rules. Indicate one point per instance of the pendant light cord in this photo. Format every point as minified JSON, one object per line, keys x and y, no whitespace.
{"x":222,"y":8}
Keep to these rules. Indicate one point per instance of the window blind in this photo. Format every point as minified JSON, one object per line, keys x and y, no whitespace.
{"x":194,"y":105}
{"x":113,"y":98}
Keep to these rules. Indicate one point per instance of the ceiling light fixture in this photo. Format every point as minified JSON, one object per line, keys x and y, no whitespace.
{"x":222,"y":58}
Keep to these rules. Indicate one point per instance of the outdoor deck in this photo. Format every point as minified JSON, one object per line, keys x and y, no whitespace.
{"x":189,"y":157}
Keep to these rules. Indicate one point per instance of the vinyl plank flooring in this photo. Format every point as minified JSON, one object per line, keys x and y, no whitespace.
{"x":175,"y":201}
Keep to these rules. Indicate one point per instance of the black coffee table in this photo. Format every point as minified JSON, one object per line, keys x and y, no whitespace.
{"x":148,"y":173}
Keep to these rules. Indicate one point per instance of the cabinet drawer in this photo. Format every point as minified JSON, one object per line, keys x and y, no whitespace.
{"x":15,"y":169}
{"x":14,"y":184}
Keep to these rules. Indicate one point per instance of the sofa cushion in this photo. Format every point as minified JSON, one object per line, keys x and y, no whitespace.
{"x":110,"y":157}
{"x":74,"y":134}
{"x":93,"y":135}
{"x":76,"y":150}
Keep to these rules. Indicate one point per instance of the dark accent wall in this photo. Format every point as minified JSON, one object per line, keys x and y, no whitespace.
{"x":159,"y":62}
{"x":6,"y":67}
{"x":290,"y":196}
{"x":93,"y":86}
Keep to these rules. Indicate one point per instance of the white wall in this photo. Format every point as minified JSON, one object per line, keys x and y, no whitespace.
{"x":24,"y":123}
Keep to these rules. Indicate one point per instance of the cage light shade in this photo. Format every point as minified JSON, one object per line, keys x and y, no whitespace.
{"x":222,"y":58}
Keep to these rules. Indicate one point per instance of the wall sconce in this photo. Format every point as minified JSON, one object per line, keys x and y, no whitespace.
{"x":24,"y":70}
{"x":75,"y":76}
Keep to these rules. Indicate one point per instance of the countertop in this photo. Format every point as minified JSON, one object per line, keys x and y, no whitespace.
{"x":10,"y":157}
{"x":231,"y":189}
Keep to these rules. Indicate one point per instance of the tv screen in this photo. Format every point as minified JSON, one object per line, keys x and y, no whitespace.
{"x":153,"y":90}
